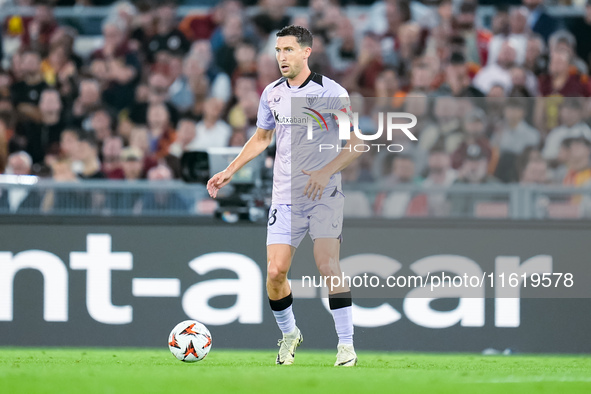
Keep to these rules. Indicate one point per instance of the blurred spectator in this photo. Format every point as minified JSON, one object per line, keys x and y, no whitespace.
{"x":59,"y":71}
{"x":268,"y":71}
{"x":394,"y":204}
{"x":140,"y":138}
{"x":517,"y":134}
{"x":61,"y":171}
{"x":238,"y":138}
{"x":535,"y":55}
{"x":200,"y":26}
{"x":6,"y":133}
{"x":410,"y":46}
{"x":473,"y":171}
{"x":559,"y":82}
{"x":243,"y":115}
{"x":523,"y":82}
{"x":324,"y":18}
{"x":41,"y":138}
{"x":19,"y":199}
{"x":362,"y":77}
{"x":162,"y":135}
{"x":401,"y":171}
{"x":202,"y":64}
{"x":63,"y":199}
{"x":186,"y":132}
{"x":272,"y":16}
{"x":246,"y":63}
{"x":562,"y":40}
{"x":111,"y":153}
{"x":123,"y":11}
{"x":182,"y":91}
{"x":535,"y":172}
{"x":6,"y":81}
{"x":581,"y":28}
{"x":477,"y":39}
{"x":65,"y":36}
{"x":163,"y":202}
{"x":69,"y":139}
{"x":512,"y":139}
{"x":578,"y":162}
{"x":115,"y":66}
{"x":26,"y":92}
{"x":158,"y":88}
{"x":232,"y":31}
{"x":38,"y":30}
{"x":559,"y":79}
{"x":88,"y":154}
{"x":387,"y":87}
{"x":319,"y":61}
{"x":88,"y":100}
{"x":457,"y":80}
{"x":571,"y":126}
{"x":539,"y":21}
{"x":445,"y":132}
{"x":439,"y":175}
{"x":422,"y":77}
{"x":342,"y":49}
{"x":500,"y":25}
{"x":132,"y":163}
{"x":497,"y":73}
{"x":168,"y":37}
{"x":474,"y":127}
{"x":100,"y":122}
{"x":494,"y":105}
{"x":132,"y":169}
{"x":212,"y":131}
{"x":143,"y":26}
{"x":517,"y":35}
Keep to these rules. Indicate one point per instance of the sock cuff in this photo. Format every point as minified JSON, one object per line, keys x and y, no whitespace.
{"x":340,"y":300}
{"x":282,"y":304}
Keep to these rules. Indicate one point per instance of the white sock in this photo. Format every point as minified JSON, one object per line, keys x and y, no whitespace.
{"x":343,"y":322}
{"x":285,"y":320}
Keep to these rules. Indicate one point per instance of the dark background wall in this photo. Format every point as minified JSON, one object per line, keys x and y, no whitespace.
{"x":543,"y":321}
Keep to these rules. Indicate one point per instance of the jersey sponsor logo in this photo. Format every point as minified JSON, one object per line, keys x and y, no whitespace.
{"x":279,"y":119}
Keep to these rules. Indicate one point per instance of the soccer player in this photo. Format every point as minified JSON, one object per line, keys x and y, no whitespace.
{"x":307,"y":192}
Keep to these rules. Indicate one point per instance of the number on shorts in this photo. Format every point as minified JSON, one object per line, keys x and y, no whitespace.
{"x":273,"y":217}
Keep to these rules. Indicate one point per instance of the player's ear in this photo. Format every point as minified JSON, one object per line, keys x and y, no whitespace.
{"x":307,"y":52}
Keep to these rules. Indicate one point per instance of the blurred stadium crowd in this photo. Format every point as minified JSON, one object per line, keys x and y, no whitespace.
{"x":505,"y":103}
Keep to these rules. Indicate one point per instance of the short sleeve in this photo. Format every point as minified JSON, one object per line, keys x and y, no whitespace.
{"x":265,"y":118}
{"x":343,"y":103}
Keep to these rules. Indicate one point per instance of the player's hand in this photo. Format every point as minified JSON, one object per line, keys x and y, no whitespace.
{"x":316,"y":184}
{"x":218,"y":181}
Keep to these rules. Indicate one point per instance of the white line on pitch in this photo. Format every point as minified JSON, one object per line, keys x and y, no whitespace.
{"x":534,"y":379}
{"x":156,"y":287}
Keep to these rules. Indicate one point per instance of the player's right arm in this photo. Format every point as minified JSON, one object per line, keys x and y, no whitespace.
{"x":254,"y":147}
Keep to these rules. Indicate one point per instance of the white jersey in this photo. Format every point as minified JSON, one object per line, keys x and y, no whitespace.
{"x":288,"y":110}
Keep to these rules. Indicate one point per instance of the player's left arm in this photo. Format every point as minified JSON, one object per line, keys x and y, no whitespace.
{"x":320,"y":178}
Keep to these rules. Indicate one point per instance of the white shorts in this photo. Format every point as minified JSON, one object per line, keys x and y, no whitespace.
{"x":289,"y":223}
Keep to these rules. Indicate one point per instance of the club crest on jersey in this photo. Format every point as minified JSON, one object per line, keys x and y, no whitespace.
{"x":311,"y":99}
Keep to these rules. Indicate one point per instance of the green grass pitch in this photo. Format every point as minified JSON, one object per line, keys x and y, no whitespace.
{"x":63,"y":371}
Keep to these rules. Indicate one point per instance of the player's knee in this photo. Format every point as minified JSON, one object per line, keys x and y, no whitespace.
{"x":276,"y":273}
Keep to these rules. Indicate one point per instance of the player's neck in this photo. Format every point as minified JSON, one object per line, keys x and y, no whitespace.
{"x":300,"y":78}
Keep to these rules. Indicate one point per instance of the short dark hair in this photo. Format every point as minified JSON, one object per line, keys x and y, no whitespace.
{"x":516,"y":102}
{"x":302,"y":35}
{"x":89,"y":137}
